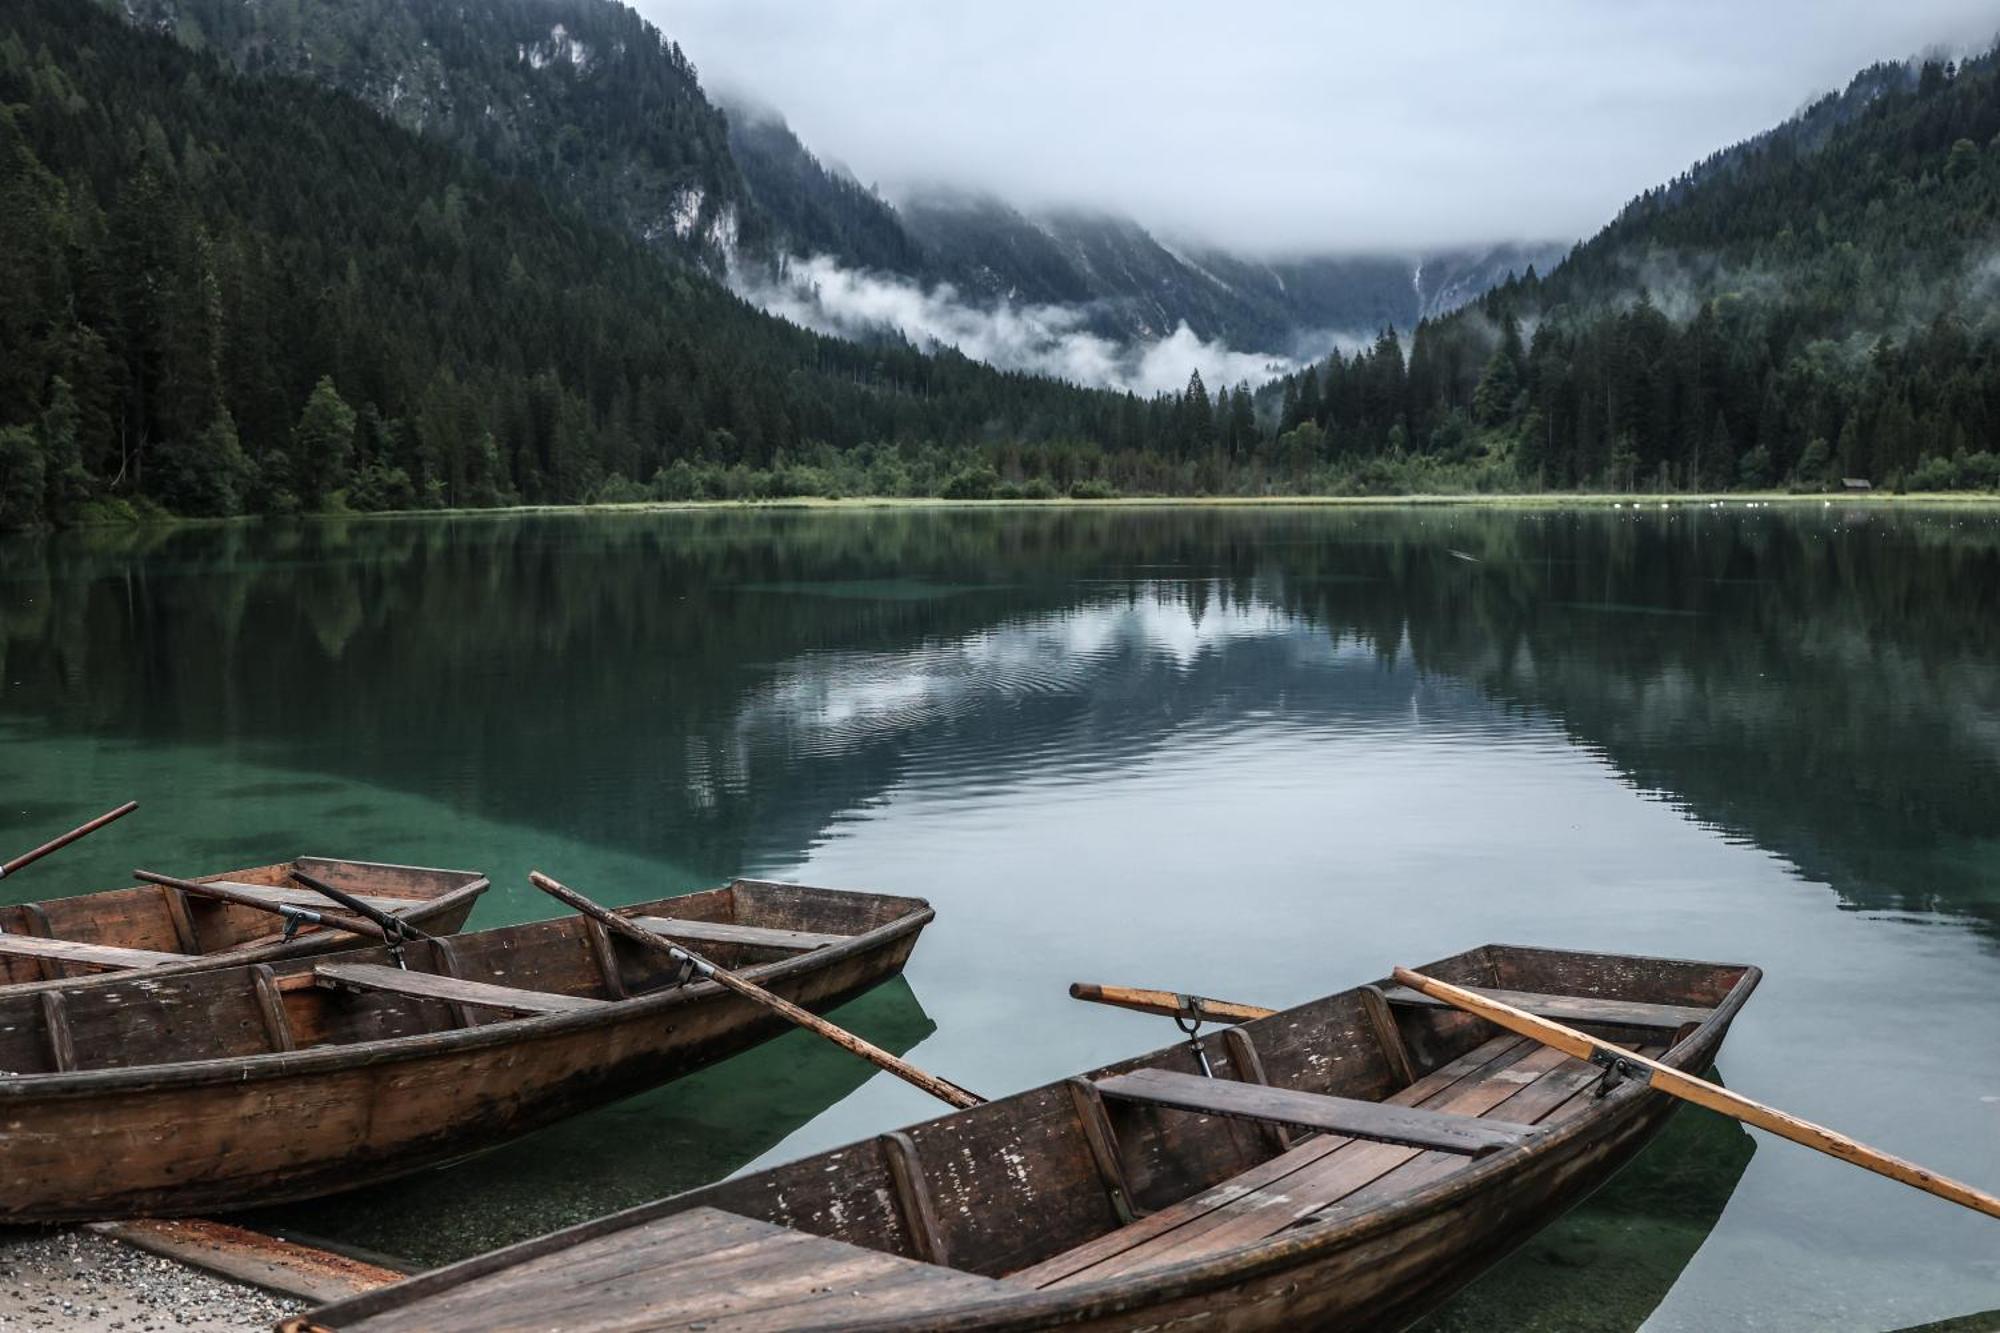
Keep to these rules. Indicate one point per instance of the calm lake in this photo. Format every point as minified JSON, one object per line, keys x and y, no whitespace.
{"x":1260,"y":754}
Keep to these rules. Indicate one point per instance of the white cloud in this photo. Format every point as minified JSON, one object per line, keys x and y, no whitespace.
{"x":819,"y":293}
{"x":1289,"y":125}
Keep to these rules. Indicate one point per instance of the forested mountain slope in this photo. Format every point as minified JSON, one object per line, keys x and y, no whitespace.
{"x":583,"y":96}
{"x":224,"y":293}
{"x":1822,"y":302}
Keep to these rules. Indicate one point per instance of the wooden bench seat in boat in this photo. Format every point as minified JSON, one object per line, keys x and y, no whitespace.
{"x":298,"y":895}
{"x":430,"y":986}
{"x":728,"y":932}
{"x":1587,"y":1010}
{"x":108,"y":956}
{"x":1527,"y":1083}
{"x":699,"y":1269}
{"x":1378,"y":1121}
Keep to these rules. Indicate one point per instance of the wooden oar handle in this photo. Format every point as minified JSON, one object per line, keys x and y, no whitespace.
{"x":942,"y":1089}
{"x":1173,"y":1004}
{"x":1677,"y":1083}
{"x":385,"y":922}
{"x":312,"y":916}
{"x":57,"y":844}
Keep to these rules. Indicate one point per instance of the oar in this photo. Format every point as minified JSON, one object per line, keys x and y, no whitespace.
{"x":57,"y":844}
{"x":1189,"y":1012}
{"x":939,"y":1088}
{"x":293,"y":914}
{"x":1172,"y":1004}
{"x":389,"y":923}
{"x":1701,"y":1092}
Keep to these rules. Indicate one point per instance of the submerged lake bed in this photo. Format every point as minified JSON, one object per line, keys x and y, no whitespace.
{"x":1258,"y":753}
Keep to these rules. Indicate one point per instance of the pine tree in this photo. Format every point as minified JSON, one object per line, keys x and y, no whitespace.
{"x":1310,"y":406}
{"x":322,"y":444}
{"x":65,"y":484}
{"x":1499,"y":387}
{"x":1199,"y":415}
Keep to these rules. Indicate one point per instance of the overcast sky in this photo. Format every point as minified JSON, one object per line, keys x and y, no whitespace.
{"x":1285,"y":125}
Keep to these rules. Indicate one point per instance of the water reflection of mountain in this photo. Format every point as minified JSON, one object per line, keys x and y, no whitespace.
{"x":723,"y":687}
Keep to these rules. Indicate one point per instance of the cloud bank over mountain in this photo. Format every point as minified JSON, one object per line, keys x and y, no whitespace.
{"x":1284,"y":126}
{"x":820,"y":293}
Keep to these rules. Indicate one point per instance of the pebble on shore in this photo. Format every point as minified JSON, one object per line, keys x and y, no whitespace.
{"x":64,"y":1281}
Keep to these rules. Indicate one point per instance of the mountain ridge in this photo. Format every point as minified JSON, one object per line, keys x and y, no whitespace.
{"x":593,"y":100}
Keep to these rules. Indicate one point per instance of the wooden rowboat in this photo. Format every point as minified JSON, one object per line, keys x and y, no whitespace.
{"x":149,"y":1095}
{"x":61,"y":943}
{"x":1351,"y":1163}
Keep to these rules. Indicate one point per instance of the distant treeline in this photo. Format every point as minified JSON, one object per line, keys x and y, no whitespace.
{"x":1818,"y":303}
{"x":223,"y":294}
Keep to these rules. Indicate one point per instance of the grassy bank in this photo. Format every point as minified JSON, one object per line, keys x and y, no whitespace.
{"x":1545,"y":500}
{"x":1540,"y":500}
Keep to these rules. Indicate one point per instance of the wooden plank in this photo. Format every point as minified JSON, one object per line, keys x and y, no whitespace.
{"x":1240,"y":1217}
{"x":1346,"y":1116}
{"x":913,"y":1198}
{"x":108,"y":956}
{"x":55,"y":1021}
{"x":303,"y":1272}
{"x":1103,"y":1142}
{"x":1526,"y":1089}
{"x":606,"y":954}
{"x":177,"y":912}
{"x":727,"y":932}
{"x":1568,"y":1008}
{"x":429,"y":986}
{"x":1264,"y":1177}
{"x":271,"y":1004}
{"x":39,"y":928}
{"x":704,"y":1269}
{"x":1249,"y":1067}
{"x":449,"y":964}
{"x":298,"y":895}
{"x":1387,"y":1034}
{"x":1564,"y":1088}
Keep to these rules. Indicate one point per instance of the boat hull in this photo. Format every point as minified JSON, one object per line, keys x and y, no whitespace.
{"x":1386,"y":1276}
{"x":1143,"y":1195}
{"x":1387,"y":1266}
{"x":224,"y":1135}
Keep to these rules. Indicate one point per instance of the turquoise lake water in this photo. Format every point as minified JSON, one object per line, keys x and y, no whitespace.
{"x":1260,"y":754}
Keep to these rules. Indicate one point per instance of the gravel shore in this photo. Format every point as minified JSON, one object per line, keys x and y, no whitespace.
{"x":71,"y":1281}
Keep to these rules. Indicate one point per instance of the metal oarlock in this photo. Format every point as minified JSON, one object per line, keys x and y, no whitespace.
{"x":1188,"y":1020}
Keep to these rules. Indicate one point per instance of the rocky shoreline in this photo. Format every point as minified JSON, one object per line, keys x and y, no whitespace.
{"x":69,"y":1281}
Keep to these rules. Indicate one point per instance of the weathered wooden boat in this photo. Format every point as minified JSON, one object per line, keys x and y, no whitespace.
{"x":1350,"y":1163}
{"x":61,"y":943}
{"x":146,"y":1095}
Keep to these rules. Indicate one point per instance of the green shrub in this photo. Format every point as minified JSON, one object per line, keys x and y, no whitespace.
{"x":616,"y":489}
{"x":21,"y":476}
{"x":974,"y":483}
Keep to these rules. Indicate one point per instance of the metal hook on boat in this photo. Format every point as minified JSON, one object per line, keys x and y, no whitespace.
{"x":1616,"y":1070}
{"x":1188,"y":1020}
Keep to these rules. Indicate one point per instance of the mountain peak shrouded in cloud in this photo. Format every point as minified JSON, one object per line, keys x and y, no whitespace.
{"x":1279,"y":127}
